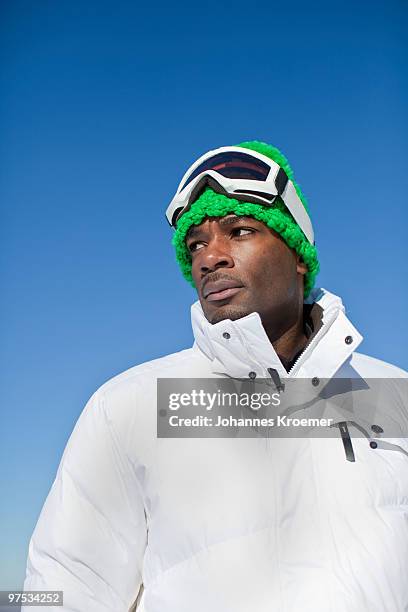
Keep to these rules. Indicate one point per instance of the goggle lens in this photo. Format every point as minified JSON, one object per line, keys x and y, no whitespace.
{"x":232,"y":165}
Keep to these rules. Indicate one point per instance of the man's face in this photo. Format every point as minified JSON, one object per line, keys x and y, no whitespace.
{"x":240,"y":266}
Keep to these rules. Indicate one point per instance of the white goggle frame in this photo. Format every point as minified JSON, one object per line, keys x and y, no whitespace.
{"x":241,"y":189}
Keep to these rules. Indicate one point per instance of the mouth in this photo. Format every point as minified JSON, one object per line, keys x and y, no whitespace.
{"x":220,"y":290}
{"x":223,"y":294}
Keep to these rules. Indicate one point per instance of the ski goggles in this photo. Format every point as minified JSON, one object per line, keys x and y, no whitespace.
{"x":241,"y":173}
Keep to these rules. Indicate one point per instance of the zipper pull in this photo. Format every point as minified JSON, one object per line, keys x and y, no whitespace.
{"x":276,"y":379}
{"x":345,"y":436}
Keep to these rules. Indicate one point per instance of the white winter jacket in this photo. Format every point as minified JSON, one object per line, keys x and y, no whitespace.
{"x":225,"y":525}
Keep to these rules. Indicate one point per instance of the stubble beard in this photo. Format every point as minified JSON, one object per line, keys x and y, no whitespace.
{"x":228,"y":312}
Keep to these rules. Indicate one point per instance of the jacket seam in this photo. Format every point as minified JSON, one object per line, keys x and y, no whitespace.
{"x":203,"y":550}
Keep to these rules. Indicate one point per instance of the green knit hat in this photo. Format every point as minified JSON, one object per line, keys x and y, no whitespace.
{"x":278,"y":218}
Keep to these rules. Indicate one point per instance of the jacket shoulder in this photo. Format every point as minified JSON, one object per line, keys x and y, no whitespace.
{"x":370,"y":367}
{"x":127,"y":402}
{"x":168,"y":365}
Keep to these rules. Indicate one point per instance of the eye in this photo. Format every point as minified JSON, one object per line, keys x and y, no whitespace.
{"x":242,"y":231}
{"x":195,"y":246}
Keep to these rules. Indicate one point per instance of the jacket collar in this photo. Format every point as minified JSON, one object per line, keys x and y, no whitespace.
{"x":236,"y":348}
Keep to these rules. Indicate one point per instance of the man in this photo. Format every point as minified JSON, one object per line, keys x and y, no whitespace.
{"x":242,"y":524}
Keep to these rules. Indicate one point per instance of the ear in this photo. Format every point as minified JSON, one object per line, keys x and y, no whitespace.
{"x":301,"y":267}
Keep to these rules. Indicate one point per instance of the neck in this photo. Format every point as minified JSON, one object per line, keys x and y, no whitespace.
{"x":291,"y":342}
{"x":288,"y":339}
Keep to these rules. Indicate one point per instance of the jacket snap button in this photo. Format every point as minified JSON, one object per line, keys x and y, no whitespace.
{"x":252,"y":375}
{"x":373,"y":444}
{"x":348,"y":339}
{"x":377,"y":429}
{"x":315,"y":381}
{"x":226,"y":335}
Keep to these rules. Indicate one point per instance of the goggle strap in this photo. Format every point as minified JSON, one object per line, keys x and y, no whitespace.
{"x":298,"y":211}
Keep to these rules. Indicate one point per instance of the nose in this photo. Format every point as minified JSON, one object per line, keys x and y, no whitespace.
{"x":216,"y":255}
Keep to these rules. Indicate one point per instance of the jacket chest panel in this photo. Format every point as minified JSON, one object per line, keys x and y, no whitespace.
{"x":207,"y":493}
{"x":303,"y":494}
{"x":377,"y":478}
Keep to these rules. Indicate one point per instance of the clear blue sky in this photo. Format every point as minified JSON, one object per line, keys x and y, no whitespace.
{"x":103,"y":105}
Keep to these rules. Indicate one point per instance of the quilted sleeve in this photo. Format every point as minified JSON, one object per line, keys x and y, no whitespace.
{"x":90,"y":538}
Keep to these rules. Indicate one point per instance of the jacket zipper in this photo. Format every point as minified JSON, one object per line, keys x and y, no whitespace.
{"x":308,"y":349}
{"x":344,"y":432}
